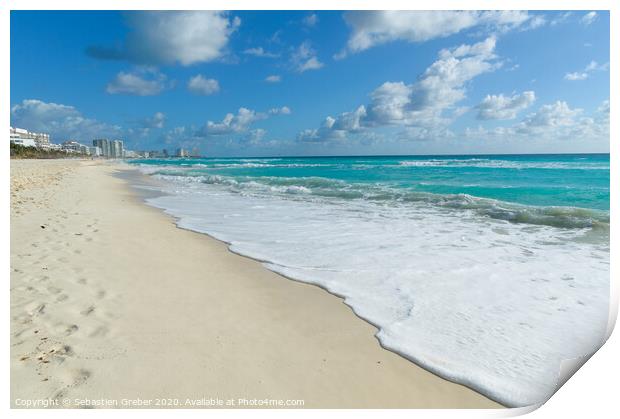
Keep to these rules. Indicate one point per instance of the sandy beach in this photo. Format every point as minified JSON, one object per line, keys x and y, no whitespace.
{"x":110,"y":301}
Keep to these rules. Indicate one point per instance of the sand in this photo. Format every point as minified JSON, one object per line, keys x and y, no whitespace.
{"x":112,"y":305}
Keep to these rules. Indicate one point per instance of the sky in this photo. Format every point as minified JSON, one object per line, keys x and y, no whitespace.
{"x":275,"y":83}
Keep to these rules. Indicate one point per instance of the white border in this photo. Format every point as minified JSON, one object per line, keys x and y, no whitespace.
{"x":593,"y":389}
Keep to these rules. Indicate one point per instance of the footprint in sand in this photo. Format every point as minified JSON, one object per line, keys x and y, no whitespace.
{"x":66,"y":329}
{"x":100,"y":331}
{"x":88,"y":311}
{"x":53,"y":290}
{"x":35,"y":308}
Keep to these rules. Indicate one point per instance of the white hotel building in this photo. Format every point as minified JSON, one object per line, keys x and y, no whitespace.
{"x":29,"y":139}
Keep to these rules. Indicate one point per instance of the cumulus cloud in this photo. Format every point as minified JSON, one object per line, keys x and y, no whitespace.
{"x":254,"y":136}
{"x":200,"y":85}
{"x":554,"y":115}
{"x":156,"y":121}
{"x":587,"y":71}
{"x":311,"y":20}
{"x":336,"y":128}
{"x":274,"y":78}
{"x":260,"y":52}
{"x":504,"y":107}
{"x":62,"y":122}
{"x":284,"y":110}
{"x":563,"y":17}
{"x":371,"y":28}
{"x":422,"y":104}
{"x":233,"y":123}
{"x":577,"y":75}
{"x":171,"y":37}
{"x":239,"y":122}
{"x":554,"y":121}
{"x":304,"y":58}
{"x":141,"y":83}
{"x":588,"y":18}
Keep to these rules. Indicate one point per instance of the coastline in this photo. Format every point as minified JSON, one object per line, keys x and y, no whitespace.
{"x":110,"y":300}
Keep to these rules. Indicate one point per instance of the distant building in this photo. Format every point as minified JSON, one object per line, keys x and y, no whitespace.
{"x":26,"y":142}
{"x":116,"y":149}
{"x":24,"y":137}
{"x":181,"y":152}
{"x":94,"y":151}
{"x":104,"y":145}
{"x":71,"y":146}
{"x":110,"y":149}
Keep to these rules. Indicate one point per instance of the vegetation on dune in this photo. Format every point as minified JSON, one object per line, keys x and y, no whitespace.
{"x":22,"y":152}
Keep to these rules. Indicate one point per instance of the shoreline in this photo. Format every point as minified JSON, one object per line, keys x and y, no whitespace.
{"x":233,"y":327}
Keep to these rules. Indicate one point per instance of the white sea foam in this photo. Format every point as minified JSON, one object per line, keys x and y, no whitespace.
{"x":504,"y":164}
{"x":484,"y":302}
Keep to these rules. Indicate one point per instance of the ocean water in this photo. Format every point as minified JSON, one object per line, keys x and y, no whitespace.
{"x":487,"y":270}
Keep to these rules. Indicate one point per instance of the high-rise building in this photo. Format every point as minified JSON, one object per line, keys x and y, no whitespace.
{"x":94,"y":151}
{"x":116,"y":149}
{"x":104,"y":145}
{"x":110,"y":149}
{"x":181,"y":152}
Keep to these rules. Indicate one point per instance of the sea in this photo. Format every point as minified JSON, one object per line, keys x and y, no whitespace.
{"x":488,"y":270}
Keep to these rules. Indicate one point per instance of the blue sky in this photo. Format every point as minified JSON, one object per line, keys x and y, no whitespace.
{"x":316,"y":83}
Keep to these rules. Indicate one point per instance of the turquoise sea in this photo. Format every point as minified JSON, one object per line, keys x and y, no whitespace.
{"x":487,"y":270}
{"x":563,"y":189}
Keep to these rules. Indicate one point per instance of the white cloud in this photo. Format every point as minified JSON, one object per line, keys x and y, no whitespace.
{"x":590,"y":68}
{"x":260,"y":52}
{"x":588,"y":18}
{"x":284,"y":110}
{"x":554,"y":115}
{"x":156,"y":121}
{"x":504,"y":107}
{"x":170,"y":37}
{"x":202,"y":86}
{"x":561,"y":18}
{"x":551,"y":122}
{"x":304,"y":58}
{"x":425,"y":133}
{"x":145,"y":82}
{"x":240,"y":122}
{"x":233,"y":123}
{"x":311,"y":20}
{"x":313,"y":63}
{"x":274,"y":78}
{"x":535,"y":22}
{"x":576,"y":76}
{"x":255,"y":136}
{"x":62,"y":122}
{"x":371,"y":28}
{"x":604,"y":108}
{"x":422,"y":104}
{"x":440,"y":87}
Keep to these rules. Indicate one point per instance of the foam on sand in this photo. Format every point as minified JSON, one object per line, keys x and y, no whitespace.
{"x":492,"y":304}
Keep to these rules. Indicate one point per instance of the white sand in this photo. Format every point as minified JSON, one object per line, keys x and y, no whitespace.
{"x":111,"y":301}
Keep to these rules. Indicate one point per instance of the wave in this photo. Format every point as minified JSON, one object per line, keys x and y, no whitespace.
{"x":319,"y":187}
{"x":503,"y":164}
{"x":492,"y":305}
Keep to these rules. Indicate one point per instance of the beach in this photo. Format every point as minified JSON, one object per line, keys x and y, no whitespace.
{"x":111,"y":303}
